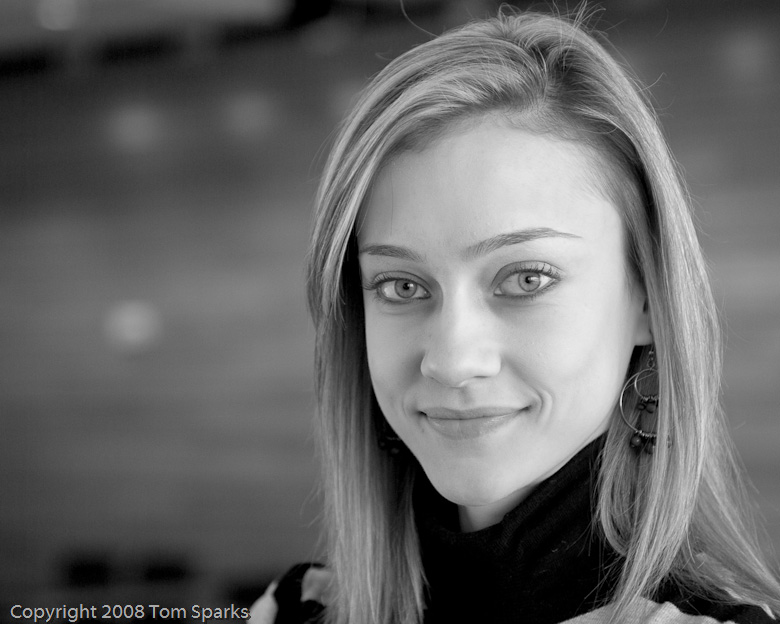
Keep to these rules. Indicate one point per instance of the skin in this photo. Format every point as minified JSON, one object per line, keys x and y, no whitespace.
{"x":500,"y":314}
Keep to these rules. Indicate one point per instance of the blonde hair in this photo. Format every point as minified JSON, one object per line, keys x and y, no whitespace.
{"x":678,"y":514}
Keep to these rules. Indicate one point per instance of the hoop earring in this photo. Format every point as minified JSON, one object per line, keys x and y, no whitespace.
{"x":641,"y":440}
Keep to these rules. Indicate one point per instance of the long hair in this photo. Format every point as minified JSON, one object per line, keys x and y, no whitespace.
{"x":675,"y":516}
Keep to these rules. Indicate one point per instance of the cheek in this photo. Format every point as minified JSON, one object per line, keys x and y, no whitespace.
{"x":393,"y":359}
{"x":584,"y":335}
{"x":584,"y":350}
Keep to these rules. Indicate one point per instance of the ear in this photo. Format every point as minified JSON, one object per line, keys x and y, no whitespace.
{"x":643,"y":334}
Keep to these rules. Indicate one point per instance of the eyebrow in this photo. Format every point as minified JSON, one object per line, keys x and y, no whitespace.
{"x":477,"y":250}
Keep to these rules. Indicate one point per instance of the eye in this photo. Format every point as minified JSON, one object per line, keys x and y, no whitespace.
{"x":399,"y":290}
{"x":526,"y":282}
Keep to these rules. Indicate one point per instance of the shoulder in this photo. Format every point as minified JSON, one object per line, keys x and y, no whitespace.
{"x":649,"y":612}
{"x":717,"y":609}
{"x":298,"y":597}
{"x":725,"y":612}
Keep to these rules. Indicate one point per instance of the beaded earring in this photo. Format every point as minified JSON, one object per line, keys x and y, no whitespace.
{"x":646,"y":404}
{"x":388,"y":441}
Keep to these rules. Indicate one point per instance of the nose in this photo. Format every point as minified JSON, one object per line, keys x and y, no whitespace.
{"x":462,"y":345}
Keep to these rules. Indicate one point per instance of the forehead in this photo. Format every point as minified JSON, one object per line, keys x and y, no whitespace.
{"x":484,"y":179}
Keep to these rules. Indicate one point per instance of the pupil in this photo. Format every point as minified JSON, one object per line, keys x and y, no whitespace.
{"x":529,"y":281}
{"x":405,"y":289}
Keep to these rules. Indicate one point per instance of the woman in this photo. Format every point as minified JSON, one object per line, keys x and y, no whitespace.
{"x":517,"y":354}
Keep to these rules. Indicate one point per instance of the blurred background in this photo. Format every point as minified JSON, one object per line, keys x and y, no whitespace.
{"x":157,"y":164}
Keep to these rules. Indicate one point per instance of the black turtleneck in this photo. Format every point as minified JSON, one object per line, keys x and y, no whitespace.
{"x":543,"y":563}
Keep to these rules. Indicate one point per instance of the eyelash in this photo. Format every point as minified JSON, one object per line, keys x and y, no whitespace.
{"x":541,"y":268}
{"x":383,"y":278}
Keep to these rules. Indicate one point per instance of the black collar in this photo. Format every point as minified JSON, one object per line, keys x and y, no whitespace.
{"x":544,"y":562}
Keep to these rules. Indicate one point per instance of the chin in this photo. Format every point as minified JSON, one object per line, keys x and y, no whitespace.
{"x":473,"y":487}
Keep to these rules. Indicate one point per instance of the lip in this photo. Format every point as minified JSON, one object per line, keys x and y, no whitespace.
{"x":469,"y":423}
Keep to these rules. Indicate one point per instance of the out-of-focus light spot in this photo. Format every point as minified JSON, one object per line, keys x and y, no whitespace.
{"x":748,"y":55}
{"x":267,"y":12}
{"x":58,"y":14}
{"x":136,"y":128}
{"x":133,"y":327}
{"x":250,"y":116}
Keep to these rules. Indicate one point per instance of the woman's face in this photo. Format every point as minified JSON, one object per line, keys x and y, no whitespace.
{"x":500,"y":312}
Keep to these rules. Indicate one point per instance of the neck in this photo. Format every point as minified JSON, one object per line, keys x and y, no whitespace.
{"x":477,"y":517}
{"x":513,"y":569}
